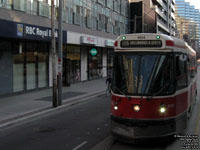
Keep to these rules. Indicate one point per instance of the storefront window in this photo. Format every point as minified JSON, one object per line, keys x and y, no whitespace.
{"x":42,"y":66}
{"x":31,"y":70}
{"x":95,"y":64}
{"x":72,"y":53}
{"x":18,"y":67}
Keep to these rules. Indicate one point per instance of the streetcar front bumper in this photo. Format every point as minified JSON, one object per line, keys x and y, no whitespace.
{"x":133,"y":129}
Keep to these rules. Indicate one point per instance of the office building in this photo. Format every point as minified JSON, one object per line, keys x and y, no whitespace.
{"x":188,"y":23}
{"x":154,"y":16}
{"x":89,"y":30}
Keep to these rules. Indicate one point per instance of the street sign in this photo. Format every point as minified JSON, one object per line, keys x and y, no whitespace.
{"x":93,"y":52}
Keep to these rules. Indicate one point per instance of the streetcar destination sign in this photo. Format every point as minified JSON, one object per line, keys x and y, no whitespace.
{"x":141,"y":43}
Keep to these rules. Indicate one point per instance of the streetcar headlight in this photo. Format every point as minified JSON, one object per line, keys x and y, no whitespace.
{"x":162,"y":109}
{"x":115,"y":107}
{"x":136,"y":108}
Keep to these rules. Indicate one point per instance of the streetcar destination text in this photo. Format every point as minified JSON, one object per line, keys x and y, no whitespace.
{"x":141,"y":43}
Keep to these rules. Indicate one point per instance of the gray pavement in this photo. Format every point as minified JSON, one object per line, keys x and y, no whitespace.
{"x":23,"y":105}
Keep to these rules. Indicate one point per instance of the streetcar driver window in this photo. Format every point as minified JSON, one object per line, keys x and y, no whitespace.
{"x":143,"y":74}
{"x":181,"y":71}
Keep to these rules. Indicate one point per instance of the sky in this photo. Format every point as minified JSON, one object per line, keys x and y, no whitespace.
{"x":196,"y":3}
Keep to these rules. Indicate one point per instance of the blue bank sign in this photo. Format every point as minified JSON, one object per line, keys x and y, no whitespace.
{"x":39,"y":32}
{"x":27,"y":31}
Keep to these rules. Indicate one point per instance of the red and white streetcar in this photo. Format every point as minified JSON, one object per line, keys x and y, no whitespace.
{"x":153,"y":86}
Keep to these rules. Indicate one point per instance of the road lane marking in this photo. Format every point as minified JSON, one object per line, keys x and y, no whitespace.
{"x":104,"y":144}
{"x":80,"y":145}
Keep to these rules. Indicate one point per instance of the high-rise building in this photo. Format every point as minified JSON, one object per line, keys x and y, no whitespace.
{"x":157,"y":16}
{"x":188,"y":23}
{"x":89,"y":30}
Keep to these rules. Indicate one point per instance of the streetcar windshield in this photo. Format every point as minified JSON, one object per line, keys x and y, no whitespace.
{"x":143,"y":74}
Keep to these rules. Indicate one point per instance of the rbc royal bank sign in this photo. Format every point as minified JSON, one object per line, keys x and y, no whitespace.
{"x":37,"y":32}
{"x":34,"y":32}
{"x":26,"y":31}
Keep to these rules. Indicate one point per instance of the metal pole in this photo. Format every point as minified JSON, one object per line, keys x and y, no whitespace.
{"x":60,"y":43}
{"x":53,"y":48}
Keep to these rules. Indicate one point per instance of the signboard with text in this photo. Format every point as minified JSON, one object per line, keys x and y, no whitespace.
{"x":88,"y":40}
{"x":26,"y":31}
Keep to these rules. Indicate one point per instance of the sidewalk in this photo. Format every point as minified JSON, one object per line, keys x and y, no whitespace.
{"x":18,"y":106}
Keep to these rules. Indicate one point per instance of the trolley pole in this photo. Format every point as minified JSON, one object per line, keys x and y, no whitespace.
{"x":53,"y":54}
{"x":60,"y":43}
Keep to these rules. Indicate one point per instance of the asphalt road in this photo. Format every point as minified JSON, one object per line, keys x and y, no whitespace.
{"x":78,"y":127}
{"x":85,"y":126}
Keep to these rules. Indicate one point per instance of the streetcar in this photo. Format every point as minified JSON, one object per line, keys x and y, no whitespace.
{"x":154,"y":86}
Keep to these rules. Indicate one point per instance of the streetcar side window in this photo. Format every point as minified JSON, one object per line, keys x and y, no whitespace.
{"x":181,"y":71}
{"x":192,"y":67}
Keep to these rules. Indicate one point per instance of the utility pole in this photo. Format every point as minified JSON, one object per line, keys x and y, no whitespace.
{"x":60,"y":43}
{"x":53,"y":54}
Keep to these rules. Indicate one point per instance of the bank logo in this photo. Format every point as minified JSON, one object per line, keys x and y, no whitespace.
{"x":20,"y":30}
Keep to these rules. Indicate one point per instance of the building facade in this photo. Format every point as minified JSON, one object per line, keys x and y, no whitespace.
{"x":188,"y":23}
{"x":89,"y":30}
{"x":154,"y":16}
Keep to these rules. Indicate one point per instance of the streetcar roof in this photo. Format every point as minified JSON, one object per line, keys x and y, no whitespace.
{"x":151,"y":42}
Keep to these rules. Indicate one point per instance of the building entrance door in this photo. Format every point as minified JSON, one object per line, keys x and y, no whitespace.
{"x":66,"y":72}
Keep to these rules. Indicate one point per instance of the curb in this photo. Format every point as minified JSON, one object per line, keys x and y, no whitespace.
{"x":19,"y":119}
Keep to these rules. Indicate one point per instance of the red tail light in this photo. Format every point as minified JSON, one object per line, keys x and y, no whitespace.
{"x":116,"y":44}
{"x":169,"y":43}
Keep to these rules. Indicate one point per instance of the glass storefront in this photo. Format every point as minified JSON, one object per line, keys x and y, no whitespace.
{"x":18,"y":67}
{"x":31,"y":54}
{"x":72,"y":61}
{"x":5,"y":67}
{"x":42,"y":66}
{"x":95,"y":63}
{"x":30,"y":66}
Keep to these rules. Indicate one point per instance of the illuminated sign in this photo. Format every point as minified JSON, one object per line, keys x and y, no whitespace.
{"x":88,"y":40}
{"x":140,"y":43}
{"x":93,"y":52}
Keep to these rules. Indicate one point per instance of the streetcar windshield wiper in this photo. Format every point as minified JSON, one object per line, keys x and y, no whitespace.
{"x":114,"y":87}
{"x":157,"y":93}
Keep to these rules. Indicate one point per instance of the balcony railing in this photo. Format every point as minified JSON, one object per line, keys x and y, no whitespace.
{"x":161,"y":13}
